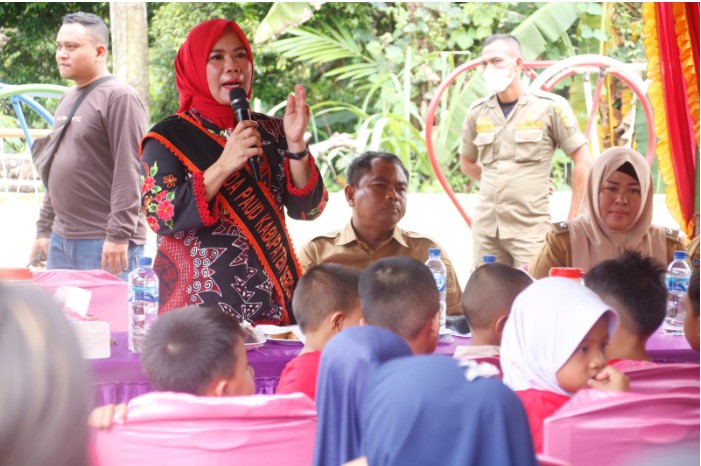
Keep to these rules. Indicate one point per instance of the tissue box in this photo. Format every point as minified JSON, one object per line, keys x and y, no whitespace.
{"x":110,"y":295}
{"x":94,"y":337}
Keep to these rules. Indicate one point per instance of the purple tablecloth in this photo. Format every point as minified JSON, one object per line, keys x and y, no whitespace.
{"x":661,"y":348}
{"x":670,"y":348}
{"x":120,"y":378}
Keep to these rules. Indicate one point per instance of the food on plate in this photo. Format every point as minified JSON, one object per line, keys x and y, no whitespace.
{"x":284,"y":336}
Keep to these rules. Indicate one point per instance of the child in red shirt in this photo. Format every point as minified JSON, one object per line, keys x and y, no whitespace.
{"x":553,"y":345}
{"x":325,"y":302}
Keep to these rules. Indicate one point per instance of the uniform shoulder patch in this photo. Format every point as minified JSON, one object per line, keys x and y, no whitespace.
{"x":561,"y":227}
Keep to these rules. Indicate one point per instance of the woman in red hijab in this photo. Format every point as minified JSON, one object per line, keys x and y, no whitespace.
{"x":222,"y":239}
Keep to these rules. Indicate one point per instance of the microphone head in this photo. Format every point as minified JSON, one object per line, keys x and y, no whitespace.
{"x":238,"y":97}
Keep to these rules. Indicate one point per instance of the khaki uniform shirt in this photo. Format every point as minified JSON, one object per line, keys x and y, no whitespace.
{"x":343,"y":247}
{"x":557,"y":250}
{"x":692,"y":251}
{"x":516,"y":154}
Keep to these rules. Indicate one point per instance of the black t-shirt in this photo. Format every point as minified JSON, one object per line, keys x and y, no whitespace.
{"x":506,"y":107}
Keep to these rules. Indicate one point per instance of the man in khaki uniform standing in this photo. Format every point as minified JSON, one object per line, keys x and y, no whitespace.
{"x":508,"y":143}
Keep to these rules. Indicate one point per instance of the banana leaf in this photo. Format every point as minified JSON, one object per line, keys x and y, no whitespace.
{"x":283,"y":16}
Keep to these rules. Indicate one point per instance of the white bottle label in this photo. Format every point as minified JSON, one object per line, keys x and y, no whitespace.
{"x":441,"y":281}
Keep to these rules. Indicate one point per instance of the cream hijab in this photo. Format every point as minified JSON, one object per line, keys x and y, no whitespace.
{"x":548,"y":320}
{"x":592,"y":241}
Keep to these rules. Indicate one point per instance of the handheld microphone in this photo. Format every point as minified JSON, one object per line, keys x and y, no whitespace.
{"x":242,"y":111}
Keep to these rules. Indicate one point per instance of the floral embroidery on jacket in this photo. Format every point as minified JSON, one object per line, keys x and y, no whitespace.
{"x":161,"y":203}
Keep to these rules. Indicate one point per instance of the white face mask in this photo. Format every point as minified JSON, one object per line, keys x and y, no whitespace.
{"x":498,"y":79}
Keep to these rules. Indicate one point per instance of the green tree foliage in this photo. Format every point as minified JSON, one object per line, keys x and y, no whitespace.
{"x":28,"y":35}
{"x":393,"y":65}
{"x":27,"y":45}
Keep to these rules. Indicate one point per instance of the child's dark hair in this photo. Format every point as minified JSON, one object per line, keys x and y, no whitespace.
{"x":361,"y":165}
{"x":323,"y":289}
{"x":186,"y":349}
{"x":491,"y":289}
{"x":399,"y":294}
{"x":633,"y":284}
{"x":693,"y":292}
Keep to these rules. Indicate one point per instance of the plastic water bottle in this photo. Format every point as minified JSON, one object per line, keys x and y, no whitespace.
{"x":488,"y":259}
{"x":678,"y":275}
{"x":143,"y":302}
{"x":440,"y":274}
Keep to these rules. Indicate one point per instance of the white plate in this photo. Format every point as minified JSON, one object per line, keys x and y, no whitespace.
{"x":252,"y":346}
{"x":279,"y":341}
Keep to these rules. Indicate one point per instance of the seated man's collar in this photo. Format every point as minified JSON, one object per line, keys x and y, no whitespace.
{"x":348,"y":236}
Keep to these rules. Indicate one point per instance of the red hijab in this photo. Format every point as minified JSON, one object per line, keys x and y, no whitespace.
{"x":191,"y":71}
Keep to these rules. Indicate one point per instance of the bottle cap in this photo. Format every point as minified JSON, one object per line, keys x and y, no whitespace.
{"x":16,"y":275}
{"x":567,"y":272}
{"x":434,"y":252}
{"x":679,"y":255}
{"x":145,"y":261}
{"x":488,"y":259}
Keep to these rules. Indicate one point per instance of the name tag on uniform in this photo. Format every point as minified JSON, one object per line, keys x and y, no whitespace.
{"x":529,"y":124}
{"x":485,"y":124}
{"x":486,"y":127}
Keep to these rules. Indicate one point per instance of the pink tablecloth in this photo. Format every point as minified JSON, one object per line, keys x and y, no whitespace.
{"x":120,"y":378}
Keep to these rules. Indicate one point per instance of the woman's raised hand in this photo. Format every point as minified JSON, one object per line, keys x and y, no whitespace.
{"x":296,"y":119}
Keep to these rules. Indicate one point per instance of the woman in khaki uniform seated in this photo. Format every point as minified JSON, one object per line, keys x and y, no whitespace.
{"x":616,"y":214}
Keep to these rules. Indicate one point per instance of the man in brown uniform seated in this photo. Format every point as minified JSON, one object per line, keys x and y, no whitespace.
{"x":377,"y":194}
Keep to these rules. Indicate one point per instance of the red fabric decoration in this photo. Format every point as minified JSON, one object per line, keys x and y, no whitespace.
{"x":191,"y":71}
{"x":300,"y":192}
{"x":209,"y":217}
{"x":681,"y":133}
{"x":692,"y":15}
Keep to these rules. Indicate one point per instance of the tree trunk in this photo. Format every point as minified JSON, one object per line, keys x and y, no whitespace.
{"x":130,"y":45}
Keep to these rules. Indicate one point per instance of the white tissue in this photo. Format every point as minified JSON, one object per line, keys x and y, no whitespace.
{"x":73,"y":299}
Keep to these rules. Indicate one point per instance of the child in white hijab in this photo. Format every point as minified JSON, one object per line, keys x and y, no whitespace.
{"x":553,"y":345}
